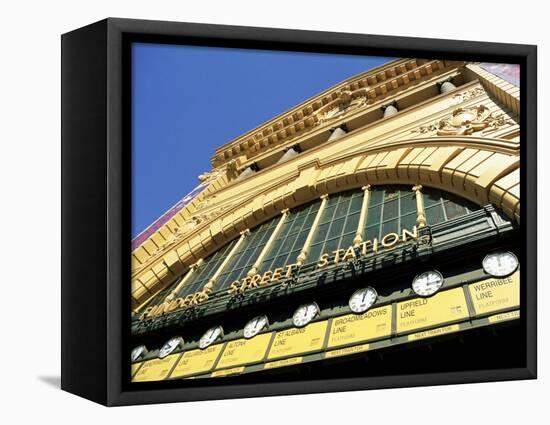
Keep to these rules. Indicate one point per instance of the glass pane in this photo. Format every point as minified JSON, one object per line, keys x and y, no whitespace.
{"x":408,"y":203}
{"x":375,"y":197}
{"x":454,"y":210}
{"x":356,"y":202}
{"x":342,"y":209}
{"x":314,"y":254}
{"x":390,"y":209}
{"x":431,"y":197}
{"x":389,"y":227}
{"x":372,"y":232}
{"x":351,"y":223}
{"x":373,"y":215}
{"x":408,"y":221}
{"x":390,"y":193}
{"x":347,"y":240}
{"x":331,"y":245}
{"x":336,"y":228}
{"x":434,"y":215}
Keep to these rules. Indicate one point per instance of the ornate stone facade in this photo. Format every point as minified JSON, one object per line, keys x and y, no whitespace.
{"x":465,"y":142}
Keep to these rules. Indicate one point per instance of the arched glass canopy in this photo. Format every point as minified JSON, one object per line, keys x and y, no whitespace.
{"x":321,"y":226}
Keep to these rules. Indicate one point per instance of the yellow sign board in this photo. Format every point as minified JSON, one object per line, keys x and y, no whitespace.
{"x":434,"y":332}
{"x":504,"y":316}
{"x":135,"y":367}
{"x":354,"y":328}
{"x":244,"y":351}
{"x":495,"y":294}
{"x":196,"y":361}
{"x":285,"y":362}
{"x":444,"y":307}
{"x":155,"y":369}
{"x":227,"y":372}
{"x":347,"y":351}
{"x":298,"y":340}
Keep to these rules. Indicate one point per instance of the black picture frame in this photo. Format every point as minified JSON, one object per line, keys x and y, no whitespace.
{"x":96,"y":202}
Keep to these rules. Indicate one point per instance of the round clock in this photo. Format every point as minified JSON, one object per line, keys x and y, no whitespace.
{"x":500,"y":264}
{"x":362,"y":299}
{"x":170,"y":345}
{"x":210,"y":336}
{"x":305,"y":314}
{"x":138,"y":352}
{"x":255,"y":326}
{"x":427,"y":283}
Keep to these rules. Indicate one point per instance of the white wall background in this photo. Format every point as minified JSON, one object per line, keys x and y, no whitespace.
{"x":30,"y":209}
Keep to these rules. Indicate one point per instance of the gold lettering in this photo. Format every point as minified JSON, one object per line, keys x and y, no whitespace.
{"x":277,"y":274}
{"x":350,"y":254}
{"x":146,"y":313}
{"x":233,"y":288}
{"x":364,"y":246}
{"x":289,"y":269}
{"x":389,"y":240}
{"x":323,"y":261}
{"x":337,"y":254}
{"x":255,"y":281}
{"x":412,"y":235}
{"x":266,"y":278}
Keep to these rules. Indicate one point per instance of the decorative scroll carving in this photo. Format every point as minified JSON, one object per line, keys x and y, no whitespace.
{"x":209,"y":176}
{"x":344,"y":104}
{"x":468,"y":94}
{"x":465,"y":121}
{"x":181,"y":232}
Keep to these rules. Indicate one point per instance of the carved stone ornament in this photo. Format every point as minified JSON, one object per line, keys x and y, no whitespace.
{"x":180,"y":232}
{"x":464,"y":122}
{"x":344,"y":104}
{"x":467,"y":95}
{"x":209,"y":176}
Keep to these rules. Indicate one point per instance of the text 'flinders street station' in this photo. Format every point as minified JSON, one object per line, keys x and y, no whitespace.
{"x":371,"y":230}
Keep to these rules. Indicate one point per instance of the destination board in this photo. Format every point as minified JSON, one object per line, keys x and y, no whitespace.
{"x":227,"y":372}
{"x":495,"y":294}
{"x":196,"y":361}
{"x":135,"y":367}
{"x":155,"y":369}
{"x":244,"y":351}
{"x":281,"y":363}
{"x":502,"y":317}
{"x":347,"y":351}
{"x":434,"y":332}
{"x":354,"y":328}
{"x":298,"y":340}
{"x":443,"y":307}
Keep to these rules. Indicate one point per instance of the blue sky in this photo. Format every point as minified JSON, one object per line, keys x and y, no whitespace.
{"x":187,"y":101}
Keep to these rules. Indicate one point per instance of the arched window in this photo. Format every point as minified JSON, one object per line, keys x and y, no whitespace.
{"x":390,"y":209}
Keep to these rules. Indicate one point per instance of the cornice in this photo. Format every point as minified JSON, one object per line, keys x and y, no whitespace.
{"x":371,"y":85}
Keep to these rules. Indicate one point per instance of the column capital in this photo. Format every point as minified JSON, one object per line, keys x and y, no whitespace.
{"x":196,"y":265}
{"x":245,"y":232}
{"x":324,"y":196}
{"x":285,"y":211}
{"x":417,"y":188}
{"x":366,"y":187}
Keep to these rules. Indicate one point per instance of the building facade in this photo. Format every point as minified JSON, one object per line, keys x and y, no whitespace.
{"x":370,"y":230}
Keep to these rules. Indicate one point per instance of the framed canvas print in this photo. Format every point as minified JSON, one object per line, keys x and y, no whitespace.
{"x":251,"y":212}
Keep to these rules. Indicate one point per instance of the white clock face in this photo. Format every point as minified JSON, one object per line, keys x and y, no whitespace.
{"x":500,"y":264}
{"x":210,"y":336}
{"x":305,"y":314}
{"x":138,"y":352}
{"x":170,"y":346}
{"x":255,"y":326}
{"x":427,"y":283}
{"x":362,"y":299}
